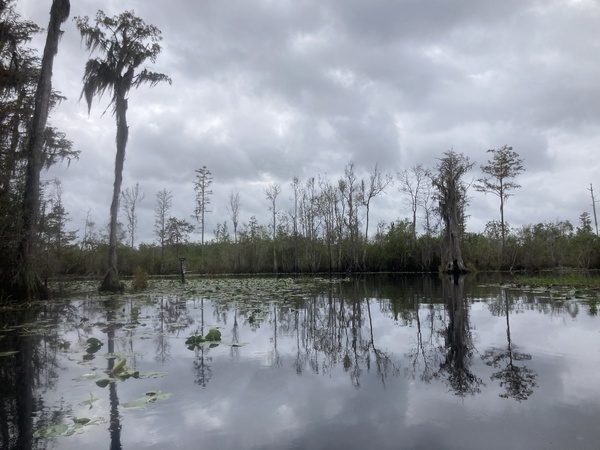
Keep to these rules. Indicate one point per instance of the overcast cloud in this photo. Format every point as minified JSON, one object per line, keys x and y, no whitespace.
{"x":265,"y":90}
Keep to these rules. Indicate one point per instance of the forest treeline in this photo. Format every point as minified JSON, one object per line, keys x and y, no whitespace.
{"x":393,"y":248}
{"x":326,"y":230}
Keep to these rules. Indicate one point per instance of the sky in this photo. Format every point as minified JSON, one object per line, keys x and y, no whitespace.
{"x":267,"y":90}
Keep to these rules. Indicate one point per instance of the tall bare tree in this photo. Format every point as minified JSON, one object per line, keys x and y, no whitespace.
{"x":164,"y":201}
{"x":126,"y":42}
{"x":451,"y":193}
{"x":296,"y":186}
{"x":131,"y":197}
{"x":203,"y":192}
{"x":27,"y":283}
{"x":234,"y":211}
{"x":349,"y":190}
{"x":501,"y":170}
{"x":271,"y":193}
{"x":377,"y":185}
{"x":234,"y":214}
{"x":412,"y":184}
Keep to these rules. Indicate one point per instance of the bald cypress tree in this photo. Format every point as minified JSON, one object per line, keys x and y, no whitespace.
{"x":127,"y":42}
{"x":27,"y":282}
{"x":501,"y":171}
{"x":451,"y":193}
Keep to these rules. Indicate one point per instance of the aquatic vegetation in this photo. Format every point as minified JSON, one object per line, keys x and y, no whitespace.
{"x":149,"y":397}
{"x":90,"y":401}
{"x":212,"y":337}
{"x":79,"y":424}
{"x":94,"y":345}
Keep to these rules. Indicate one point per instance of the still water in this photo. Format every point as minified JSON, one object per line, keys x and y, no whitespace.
{"x":374,"y":363}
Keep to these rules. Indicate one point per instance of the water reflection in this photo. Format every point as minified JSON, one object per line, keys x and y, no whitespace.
{"x":456,"y":365}
{"x":517,"y":380}
{"x":110,"y":307}
{"x":28,"y":369}
{"x":202,"y":359}
{"x":388,"y":354}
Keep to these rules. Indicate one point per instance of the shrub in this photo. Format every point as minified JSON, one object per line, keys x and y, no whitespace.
{"x":140,"y":279}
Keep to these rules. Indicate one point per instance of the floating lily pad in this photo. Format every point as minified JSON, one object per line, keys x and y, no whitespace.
{"x":103,"y":382}
{"x":119,"y":366}
{"x":142,"y":402}
{"x":154,"y":375}
{"x":94,"y":345}
{"x":213,"y":335}
{"x":62,"y":429}
{"x":52,"y":431}
{"x":211,"y":339}
{"x":90,"y":401}
{"x":81,"y":421}
{"x":87,"y":377}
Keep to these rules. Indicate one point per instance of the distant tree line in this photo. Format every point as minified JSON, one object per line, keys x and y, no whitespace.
{"x":322,"y":232}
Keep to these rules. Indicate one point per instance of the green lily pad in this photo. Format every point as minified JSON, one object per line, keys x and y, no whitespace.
{"x":90,"y":402}
{"x":87,"y":377}
{"x":142,"y":402}
{"x":94,"y":345}
{"x":213,"y":335}
{"x":103,"y":382}
{"x":14,"y":352}
{"x":81,"y":421}
{"x":154,"y":375}
{"x":119,"y":366}
{"x":52,"y":431}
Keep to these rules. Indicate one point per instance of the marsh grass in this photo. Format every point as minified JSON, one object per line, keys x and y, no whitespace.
{"x":568,"y":279}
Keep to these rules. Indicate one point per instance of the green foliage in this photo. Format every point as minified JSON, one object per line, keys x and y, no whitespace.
{"x":577,"y":279}
{"x":196,"y":341}
{"x":213,"y":335}
{"x":148,"y":398}
{"x":140,"y":279}
{"x":93,"y":345}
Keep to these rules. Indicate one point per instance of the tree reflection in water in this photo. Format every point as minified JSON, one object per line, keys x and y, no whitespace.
{"x":111,"y":306}
{"x":518,"y":381}
{"x":330,"y":329}
{"x":27,"y":374}
{"x":203,"y":369}
{"x":459,"y":348}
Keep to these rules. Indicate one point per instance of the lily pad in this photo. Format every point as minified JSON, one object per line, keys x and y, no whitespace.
{"x":82,"y":420}
{"x":52,"y":431}
{"x":154,"y":375}
{"x":119,"y":366}
{"x":94,"y":345}
{"x":142,"y":402}
{"x":87,"y":377}
{"x":90,"y":401}
{"x":213,"y":335}
{"x":103,"y":382}
{"x":14,"y":352}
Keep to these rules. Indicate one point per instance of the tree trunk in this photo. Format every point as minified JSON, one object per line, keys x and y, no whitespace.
{"x":452,"y":260}
{"x":27,"y":284}
{"x":502,"y":228}
{"x":111,"y":279}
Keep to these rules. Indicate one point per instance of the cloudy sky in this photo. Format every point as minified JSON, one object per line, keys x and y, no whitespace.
{"x":265,"y":90}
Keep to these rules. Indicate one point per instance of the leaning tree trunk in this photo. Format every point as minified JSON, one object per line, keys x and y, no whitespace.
{"x":26,"y":283}
{"x":111,"y":283}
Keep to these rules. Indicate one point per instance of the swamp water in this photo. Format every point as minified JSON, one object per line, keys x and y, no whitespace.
{"x":375,"y":363}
